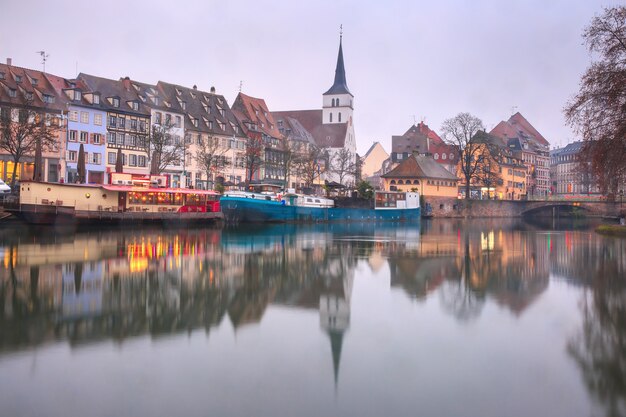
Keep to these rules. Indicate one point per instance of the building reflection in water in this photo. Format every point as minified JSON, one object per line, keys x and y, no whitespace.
{"x":119,"y":284}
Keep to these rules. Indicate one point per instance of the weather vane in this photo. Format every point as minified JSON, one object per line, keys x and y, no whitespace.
{"x":44,"y":58}
{"x":340,"y":31}
{"x":240,"y":85}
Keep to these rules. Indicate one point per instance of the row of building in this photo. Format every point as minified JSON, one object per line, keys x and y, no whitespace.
{"x":518,"y":164}
{"x":117,"y":118}
{"x":113,"y":117}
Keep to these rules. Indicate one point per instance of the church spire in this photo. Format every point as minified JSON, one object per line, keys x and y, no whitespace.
{"x":339,"y":86}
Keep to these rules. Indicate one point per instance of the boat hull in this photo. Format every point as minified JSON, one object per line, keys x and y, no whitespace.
{"x":245,"y":210}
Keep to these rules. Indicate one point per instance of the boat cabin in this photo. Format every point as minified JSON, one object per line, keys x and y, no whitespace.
{"x":396,"y":200}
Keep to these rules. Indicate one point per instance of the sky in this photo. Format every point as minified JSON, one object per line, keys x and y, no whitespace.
{"x":406,"y":61}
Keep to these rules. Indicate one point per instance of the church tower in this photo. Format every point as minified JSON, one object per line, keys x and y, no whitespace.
{"x":337,"y":102}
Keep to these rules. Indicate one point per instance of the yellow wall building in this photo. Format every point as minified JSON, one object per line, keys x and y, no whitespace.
{"x":421,"y":173}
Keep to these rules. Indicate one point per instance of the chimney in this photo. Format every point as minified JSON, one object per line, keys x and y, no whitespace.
{"x":9,"y":61}
{"x":195,"y":87}
{"x":213,"y":90}
{"x":126,"y":82}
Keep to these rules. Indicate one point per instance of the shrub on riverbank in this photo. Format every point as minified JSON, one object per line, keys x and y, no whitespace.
{"x":611,"y":230}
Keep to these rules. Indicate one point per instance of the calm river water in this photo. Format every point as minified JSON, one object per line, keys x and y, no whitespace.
{"x":452,"y":318}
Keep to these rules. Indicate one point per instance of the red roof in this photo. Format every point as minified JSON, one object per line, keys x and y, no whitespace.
{"x":517,"y":126}
{"x":254,"y":110}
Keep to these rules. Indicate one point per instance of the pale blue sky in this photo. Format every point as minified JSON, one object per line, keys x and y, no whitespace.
{"x":403,"y":58}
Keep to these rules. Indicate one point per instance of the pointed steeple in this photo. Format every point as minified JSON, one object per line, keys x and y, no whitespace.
{"x":339,"y":86}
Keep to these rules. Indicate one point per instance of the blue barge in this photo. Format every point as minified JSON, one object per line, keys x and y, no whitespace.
{"x":295,"y":208}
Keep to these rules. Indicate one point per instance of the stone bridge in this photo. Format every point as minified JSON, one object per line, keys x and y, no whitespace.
{"x":452,"y":207}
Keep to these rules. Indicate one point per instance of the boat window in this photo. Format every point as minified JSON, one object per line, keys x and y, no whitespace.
{"x":317,"y":200}
{"x":308,"y":200}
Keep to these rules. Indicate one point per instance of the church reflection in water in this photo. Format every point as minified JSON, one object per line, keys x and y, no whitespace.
{"x":120,"y":284}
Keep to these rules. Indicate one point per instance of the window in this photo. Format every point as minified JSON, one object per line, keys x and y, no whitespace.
{"x":178,"y":121}
{"x":339,"y":117}
{"x":73,"y":116}
{"x":443,"y":156}
{"x":111,"y":157}
{"x":96,"y":138}
{"x":131,"y":140}
{"x":210,"y":124}
{"x":96,"y":99}
{"x":84,"y":117}
{"x":34,"y":81}
{"x":157,"y":118}
{"x":1,"y":75}
{"x":120,"y":139}
{"x":116,"y":102}
{"x":84,"y":136}
{"x":72,"y":156}
{"x":77,"y":95}
{"x":73,"y":135}
{"x":451,"y":156}
{"x":132,"y":160}
{"x":97,"y":119}
{"x":112,"y":121}
{"x":12,"y":92}
{"x":195,"y":122}
{"x":331,"y":117}
{"x":436,"y":156}
{"x":183,"y":104}
{"x":18,"y":78}
{"x":135,"y":105}
{"x":48,"y":98}
{"x":122,"y":122}
{"x":141,"y":161}
{"x":168,"y":119}
{"x":95,"y":158}
{"x":133,"y":124}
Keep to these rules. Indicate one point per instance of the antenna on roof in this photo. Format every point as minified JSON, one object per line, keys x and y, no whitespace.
{"x":340,"y":32}
{"x":513,"y":109}
{"x":240,"y":85}
{"x":414,"y":120}
{"x":423,"y":119}
{"x":44,"y":58}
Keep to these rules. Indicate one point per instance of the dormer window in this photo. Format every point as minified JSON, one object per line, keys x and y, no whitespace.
{"x":135,"y":105}
{"x":12,"y":92}
{"x":1,"y":75}
{"x":18,"y":78}
{"x":34,"y":81}
{"x":116,"y":102}
{"x":29,"y":96}
{"x":77,"y":95}
{"x":195,"y":122}
{"x":96,"y":99}
{"x":183,"y":104}
{"x":48,"y":98}
{"x":156,"y":101}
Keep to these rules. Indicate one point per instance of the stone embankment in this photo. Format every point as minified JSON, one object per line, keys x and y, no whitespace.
{"x":453,"y":207}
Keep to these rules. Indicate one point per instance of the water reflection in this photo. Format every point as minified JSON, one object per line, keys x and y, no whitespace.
{"x":120,"y":284}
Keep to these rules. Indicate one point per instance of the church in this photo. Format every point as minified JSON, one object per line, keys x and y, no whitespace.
{"x":331,"y":128}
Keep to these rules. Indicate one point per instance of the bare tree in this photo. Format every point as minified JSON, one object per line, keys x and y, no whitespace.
{"x":460,"y":132}
{"x":597,"y":111}
{"x":253,"y":157}
{"x":161,"y":144}
{"x":289,"y":161}
{"x":312,"y":164}
{"x":343,"y":164}
{"x":22,"y":131}
{"x":210,"y":156}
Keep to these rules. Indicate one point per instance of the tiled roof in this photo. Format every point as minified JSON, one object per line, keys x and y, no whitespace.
{"x":255,"y":110}
{"x":292,"y":129}
{"x":518,"y":120}
{"x":32,"y":82}
{"x":418,"y":137}
{"x":420,"y":166}
{"x":115,"y":88}
{"x":570,"y":149}
{"x":203,"y":106}
{"x":518,"y":127}
{"x":325,"y":135}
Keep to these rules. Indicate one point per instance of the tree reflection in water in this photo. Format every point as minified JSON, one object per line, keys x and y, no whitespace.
{"x":600,"y":347}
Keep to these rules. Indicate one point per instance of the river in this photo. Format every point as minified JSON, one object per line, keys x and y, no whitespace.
{"x":449,"y":318}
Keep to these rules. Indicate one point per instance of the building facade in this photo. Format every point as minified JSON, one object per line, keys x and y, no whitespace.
{"x":569,"y":176}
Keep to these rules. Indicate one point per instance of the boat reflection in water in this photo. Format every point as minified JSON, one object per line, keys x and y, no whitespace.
{"x":85,"y":288}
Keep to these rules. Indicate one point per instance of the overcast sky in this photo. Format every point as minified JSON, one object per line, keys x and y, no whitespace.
{"x":427,"y":60}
